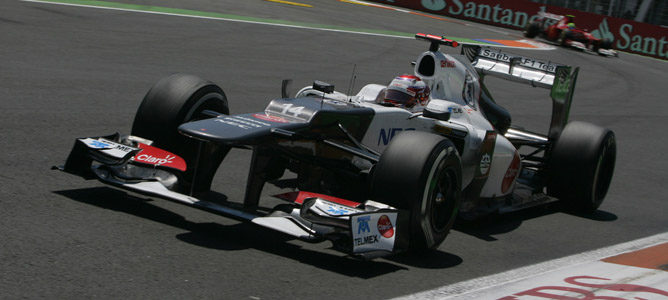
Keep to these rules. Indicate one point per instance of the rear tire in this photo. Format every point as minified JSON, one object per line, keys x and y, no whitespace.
{"x":421,"y":172}
{"x":175,"y":100}
{"x":581,"y":166}
{"x":606,"y":44}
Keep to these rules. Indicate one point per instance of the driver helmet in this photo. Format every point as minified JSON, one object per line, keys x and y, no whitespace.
{"x":406,"y":91}
{"x":570,"y":21}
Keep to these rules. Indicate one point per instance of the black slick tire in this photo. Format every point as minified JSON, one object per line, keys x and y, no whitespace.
{"x":581,"y":165}
{"x":421,"y":172}
{"x":605,"y":44}
{"x":532,"y":30}
{"x":172,"y":101}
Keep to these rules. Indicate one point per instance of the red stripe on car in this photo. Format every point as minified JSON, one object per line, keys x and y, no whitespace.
{"x":299,"y":197}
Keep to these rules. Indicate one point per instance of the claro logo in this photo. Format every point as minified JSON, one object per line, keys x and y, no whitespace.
{"x":155,"y":156}
{"x":155,"y":160}
{"x":385,"y":227}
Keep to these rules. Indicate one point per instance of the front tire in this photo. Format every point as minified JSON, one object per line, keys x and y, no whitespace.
{"x":172,"y":101}
{"x":532,"y":30}
{"x":581,"y":166}
{"x":175,"y":100}
{"x":421,"y":172}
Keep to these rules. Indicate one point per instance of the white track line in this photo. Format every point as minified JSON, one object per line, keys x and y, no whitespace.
{"x":477,"y":284}
{"x":267,"y":23}
{"x":220,"y":19}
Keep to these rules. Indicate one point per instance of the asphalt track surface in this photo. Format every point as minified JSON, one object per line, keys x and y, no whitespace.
{"x":68,"y":72}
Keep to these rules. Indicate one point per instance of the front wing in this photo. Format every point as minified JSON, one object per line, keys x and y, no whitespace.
{"x":365,"y":230}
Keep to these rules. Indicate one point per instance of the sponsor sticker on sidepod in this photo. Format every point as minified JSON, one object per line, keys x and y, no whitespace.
{"x":374,"y":231}
{"x":511,"y":173}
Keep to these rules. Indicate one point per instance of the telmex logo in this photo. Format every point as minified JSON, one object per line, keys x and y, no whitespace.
{"x":363,"y":224}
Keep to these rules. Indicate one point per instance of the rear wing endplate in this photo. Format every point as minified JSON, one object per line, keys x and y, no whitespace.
{"x":560,"y":79}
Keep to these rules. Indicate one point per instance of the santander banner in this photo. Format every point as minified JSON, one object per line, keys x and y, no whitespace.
{"x":627,"y":35}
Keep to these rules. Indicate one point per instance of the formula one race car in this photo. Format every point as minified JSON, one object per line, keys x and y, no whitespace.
{"x":372,"y":177}
{"x":562,"y":30}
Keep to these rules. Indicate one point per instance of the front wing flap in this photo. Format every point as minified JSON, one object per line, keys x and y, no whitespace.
{"x":103,"y":149}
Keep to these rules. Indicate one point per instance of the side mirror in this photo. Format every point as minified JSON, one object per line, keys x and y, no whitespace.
{"x":285,"y":87}
{"x":443,"y":116}
{"x":323,"y":87}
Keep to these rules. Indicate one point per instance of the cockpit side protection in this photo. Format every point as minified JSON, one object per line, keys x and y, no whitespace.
{"x":427,"y":66}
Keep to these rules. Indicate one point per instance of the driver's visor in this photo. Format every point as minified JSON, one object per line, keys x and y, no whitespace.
{"x":399,"y":98}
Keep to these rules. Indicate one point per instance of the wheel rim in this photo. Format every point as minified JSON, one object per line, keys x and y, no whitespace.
{"x":195,"y":112}
{"x":442,"y":200}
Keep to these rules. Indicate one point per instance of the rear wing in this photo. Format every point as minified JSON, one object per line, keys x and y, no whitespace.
{"x":560,"y":79}
{"x":493,"y":62}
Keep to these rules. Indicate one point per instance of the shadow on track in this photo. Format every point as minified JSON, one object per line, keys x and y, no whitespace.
{"x":243,"y":236}
{"x":486,"y":227}
{"x":428,"y":260}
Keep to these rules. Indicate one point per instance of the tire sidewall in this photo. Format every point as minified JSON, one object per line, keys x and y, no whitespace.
{"x":603,"y":177}
{"x":581,"y":166}
{"x":444,"y":161}
{"x":403,"y":176}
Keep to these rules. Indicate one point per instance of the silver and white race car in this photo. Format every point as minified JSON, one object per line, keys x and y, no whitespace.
{"x":372,"y":178}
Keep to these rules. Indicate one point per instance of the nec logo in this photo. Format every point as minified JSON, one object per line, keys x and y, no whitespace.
{"x":386,"y":135}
